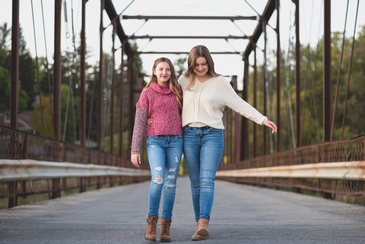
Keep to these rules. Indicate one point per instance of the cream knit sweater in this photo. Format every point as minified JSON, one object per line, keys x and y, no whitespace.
{"x":203,"y":105}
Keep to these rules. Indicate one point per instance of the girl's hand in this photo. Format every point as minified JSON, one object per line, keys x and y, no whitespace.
{"x":136,"y":160}
{"x":149,"y":121}
{"x":271,"y":125}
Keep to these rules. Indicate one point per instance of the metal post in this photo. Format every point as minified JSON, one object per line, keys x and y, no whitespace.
{"x":264,"y":86}
{"x":327,"y":72}
{"x":131,"y":101}
{"x":56,"y":183}
{"x":12,"y":201}
{"x":82,"y":77}
{"x":278,"y":76}
{"x":101,"y":67}
{"x":244,"y":124}
{"x":121,"y":103}
{"x":112,"y":93}
{"x":237,"y":127}
{"x":254,"y":101}
{"x":297,"y":74}
{"x":14,"y":65}
{"x":83,"y":90}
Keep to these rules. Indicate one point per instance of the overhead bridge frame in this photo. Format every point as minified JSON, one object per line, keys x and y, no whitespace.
{"x":148,"y":17}
{"x":188,"y":37}
{"x":179,"y":52}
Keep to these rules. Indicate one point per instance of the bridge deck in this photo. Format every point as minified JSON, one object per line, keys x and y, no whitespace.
{"x":241,"y":214}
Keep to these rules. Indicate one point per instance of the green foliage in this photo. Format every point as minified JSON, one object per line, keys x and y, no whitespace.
{"x":106,"y":143}
{"x":5,"y":90}
{"x":27,"y":77}
{"x":4,"y":37}
{"x":180,"y":64}
{"x":44,"y":128}
{"x":348,"y":111}
{"x":26,"y":87}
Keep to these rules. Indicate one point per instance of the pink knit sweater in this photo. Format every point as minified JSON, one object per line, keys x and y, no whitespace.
{"x":159,"y":104}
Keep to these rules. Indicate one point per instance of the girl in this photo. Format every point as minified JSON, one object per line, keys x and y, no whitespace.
{"x":161,"y":103}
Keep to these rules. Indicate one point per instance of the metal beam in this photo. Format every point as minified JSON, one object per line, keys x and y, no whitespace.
{"x":297,"y":75}
{"x":14,"y":66}
{"x":327,"y":72}
{"x":188,"y":37}
{"x":83,"y":75}
{"x":269,"y":9}
{"x":278,"y":76}
{"x":113,"y":16}
{"x":232,"y":18}
{"x":179,"y":52}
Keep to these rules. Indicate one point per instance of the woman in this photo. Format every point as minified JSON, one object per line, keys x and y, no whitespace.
{"x":205,"y":95}
{"x":161,"y":102}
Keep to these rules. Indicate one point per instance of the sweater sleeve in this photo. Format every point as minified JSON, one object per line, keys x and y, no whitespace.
{"x":139,"y":130}
{"x":239,"y":105}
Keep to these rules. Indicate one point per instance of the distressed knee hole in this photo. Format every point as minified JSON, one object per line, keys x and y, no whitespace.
{"x":171,"y":177}
{"x":158,"y":180}
{"x":172,"y":170}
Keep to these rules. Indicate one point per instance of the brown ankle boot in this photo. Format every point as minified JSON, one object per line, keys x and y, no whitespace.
{"x":165,"y":230}
{"x":150,"y":233}
{"x":203,"y":228}
{"x":195,"y":236}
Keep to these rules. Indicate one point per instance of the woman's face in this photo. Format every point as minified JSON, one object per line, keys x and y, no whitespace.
{"x":163,"y":73}
{"x":201,"y":67}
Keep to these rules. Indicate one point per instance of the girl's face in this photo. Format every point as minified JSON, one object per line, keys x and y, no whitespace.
{"x":163,"y":73}
{"x":201,"y":67}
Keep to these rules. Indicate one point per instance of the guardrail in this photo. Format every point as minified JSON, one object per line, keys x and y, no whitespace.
{"x":15,"y":170}
{"x":20,"y":179}
{"x":33,"y":167}
{"x":333,"y":169}
{"x":29,"y":167}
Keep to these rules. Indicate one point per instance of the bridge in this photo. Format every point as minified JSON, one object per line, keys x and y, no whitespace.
{"x":241,"y":214}
{"x":78,"y":137}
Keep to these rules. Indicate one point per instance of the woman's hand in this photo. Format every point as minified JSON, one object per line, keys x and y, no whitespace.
{"x":271,"y":125}
{"x":136,"y":160}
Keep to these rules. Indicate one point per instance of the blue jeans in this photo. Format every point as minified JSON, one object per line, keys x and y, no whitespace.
{"x":203,"y":150}
{"x":164,"y":156}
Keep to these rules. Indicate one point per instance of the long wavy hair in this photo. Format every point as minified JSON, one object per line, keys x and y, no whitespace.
{"x":173,"y":83}
{"x":196,"y":52}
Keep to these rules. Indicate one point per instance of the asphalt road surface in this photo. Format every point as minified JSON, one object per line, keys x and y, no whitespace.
{"x":241,"y":214}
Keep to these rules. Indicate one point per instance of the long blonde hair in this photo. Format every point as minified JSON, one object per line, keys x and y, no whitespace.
{"x":173,"y":83}
{"x":196,"y":52}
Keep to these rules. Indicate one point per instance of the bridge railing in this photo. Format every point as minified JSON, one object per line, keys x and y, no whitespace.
{"x":34,"y":165}
{"x":334,"y":169}
{"x":29,"y":164}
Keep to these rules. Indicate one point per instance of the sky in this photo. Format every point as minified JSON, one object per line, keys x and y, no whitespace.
{"x":311,"y":20}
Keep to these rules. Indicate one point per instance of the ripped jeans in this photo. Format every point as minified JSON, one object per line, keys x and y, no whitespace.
{"x":164,"y":156}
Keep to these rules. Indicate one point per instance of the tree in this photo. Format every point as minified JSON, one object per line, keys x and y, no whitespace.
{"x":25,"y":77}
{"x":45,"y":128}
{"x":5,"y":90}
{"x":180,"y":63}
{"x":4,"y":36}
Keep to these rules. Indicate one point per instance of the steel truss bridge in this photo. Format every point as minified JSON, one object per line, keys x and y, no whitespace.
{"x":33,"y":164}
